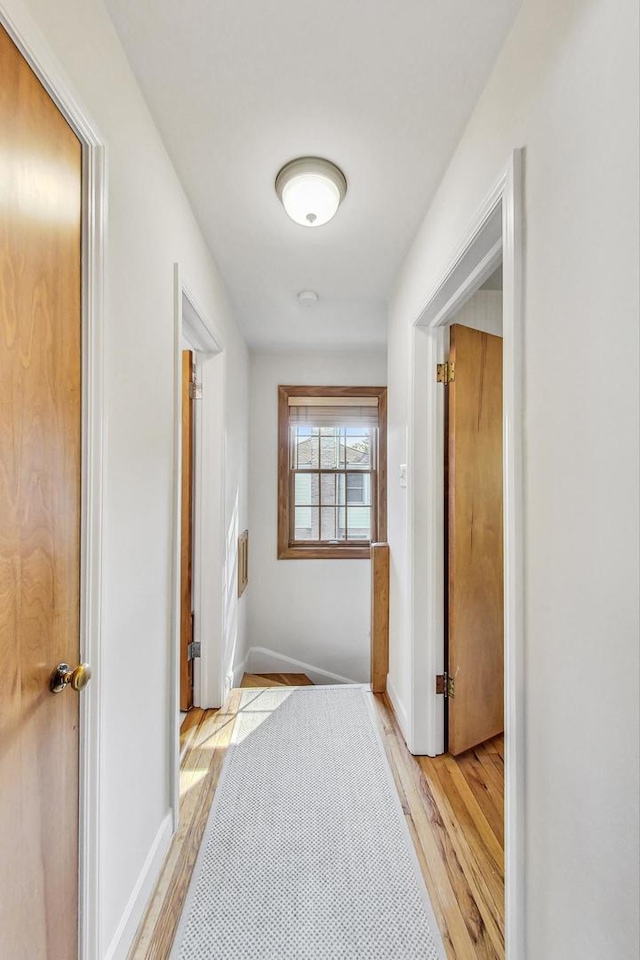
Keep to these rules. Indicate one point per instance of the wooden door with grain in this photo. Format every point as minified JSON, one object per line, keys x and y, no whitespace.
{"x":40,"y":463}
{"x":186,"y":541}
{"x":475,"y":587}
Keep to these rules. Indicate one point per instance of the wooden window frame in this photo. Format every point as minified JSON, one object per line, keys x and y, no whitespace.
{"x":331,"y":551}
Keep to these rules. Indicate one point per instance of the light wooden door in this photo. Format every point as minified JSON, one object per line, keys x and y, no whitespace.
{"x":475,"y":539}
{"x":40,"y":456}
{"x":186,"y":549}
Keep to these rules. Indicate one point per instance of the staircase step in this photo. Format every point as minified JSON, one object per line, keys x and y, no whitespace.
{"x":276,"y":680}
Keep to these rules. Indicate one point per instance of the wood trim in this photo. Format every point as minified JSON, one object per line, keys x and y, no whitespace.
{"x":368,"y":403}
{"x":318,"y":552}
{"x":379,"y":616}
{"x":316,"y":391}
{"x":287,"y":551}
{"x":381,"y":490}
{"x":283,"y":474}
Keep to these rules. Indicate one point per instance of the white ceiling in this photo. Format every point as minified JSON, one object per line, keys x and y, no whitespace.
{"x":381,"y":87}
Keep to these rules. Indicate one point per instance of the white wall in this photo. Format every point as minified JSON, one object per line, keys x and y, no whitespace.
{"x":150,"y":227}
{"x":482,"y":311}
{"x":565,"y":88}
{"x":313,"y":611}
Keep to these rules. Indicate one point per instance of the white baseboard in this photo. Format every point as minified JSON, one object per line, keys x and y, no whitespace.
{"x":262,"y":660}
{"x":142,"y":891}
{"x":399,"y":708}
{"x":238,"y":672}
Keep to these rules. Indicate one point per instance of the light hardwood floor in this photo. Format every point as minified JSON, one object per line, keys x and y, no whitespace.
{"x":454,"y":810}
{"x":453,"y":806}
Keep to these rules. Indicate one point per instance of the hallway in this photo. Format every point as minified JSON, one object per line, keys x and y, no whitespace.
{"x":453,"y":808}
{"x":151,"y":154}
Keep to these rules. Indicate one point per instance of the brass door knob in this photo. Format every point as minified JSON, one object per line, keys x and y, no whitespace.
{"x":63,"y":676}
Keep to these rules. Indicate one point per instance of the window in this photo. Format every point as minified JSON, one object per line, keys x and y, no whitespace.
{"x":332,"y":471}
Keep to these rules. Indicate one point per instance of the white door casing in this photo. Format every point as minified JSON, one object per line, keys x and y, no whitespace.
{"x":193,"y":328}
{"x":495,"y":232}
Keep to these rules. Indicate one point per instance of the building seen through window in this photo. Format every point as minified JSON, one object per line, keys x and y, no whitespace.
{"x":332,"y":482}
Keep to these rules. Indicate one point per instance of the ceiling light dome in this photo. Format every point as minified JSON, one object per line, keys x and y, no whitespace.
{"x":307,"y":297}
{"x":311,"y":190}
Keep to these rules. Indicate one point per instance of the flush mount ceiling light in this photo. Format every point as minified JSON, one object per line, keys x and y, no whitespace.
{"x":307,"y":298}
{"x":311,"y":190}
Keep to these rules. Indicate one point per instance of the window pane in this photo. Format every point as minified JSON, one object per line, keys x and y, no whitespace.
{"x":329,"y":525}
{"x":329,"y":448}
{"x":307,"y":523}
{"x":329,"y":485}
{"x":336,"y":519}
{"x":359,"y":489}
{"x":305,"y":447}
{"x":358,"y":449}
{"x":359,"y":519}
{"x":306,"y":489}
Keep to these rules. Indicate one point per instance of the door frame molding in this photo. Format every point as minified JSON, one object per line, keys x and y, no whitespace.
{"x":209,"y":466}
{"x":496,"y":230}
{"x":32,"y":44}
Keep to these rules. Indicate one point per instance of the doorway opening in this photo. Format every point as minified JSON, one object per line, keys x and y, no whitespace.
{"x":199,"y":529}
{"x":472,"y":683}
{"x":494,"y":237}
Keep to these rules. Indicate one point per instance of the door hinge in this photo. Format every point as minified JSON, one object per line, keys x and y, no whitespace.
{"x":195,"y":391}
{"x":193,"y":650}
{"x":445,"y":372}
{"x":445,"y":685}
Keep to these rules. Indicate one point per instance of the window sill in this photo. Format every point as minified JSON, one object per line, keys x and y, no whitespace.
{"x":315,"y":552}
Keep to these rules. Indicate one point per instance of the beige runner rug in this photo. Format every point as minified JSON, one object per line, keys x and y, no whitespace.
{"x":306,"y":855}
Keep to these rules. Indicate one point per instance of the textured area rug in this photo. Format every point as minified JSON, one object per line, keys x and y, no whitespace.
{"x":306,"y":855}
